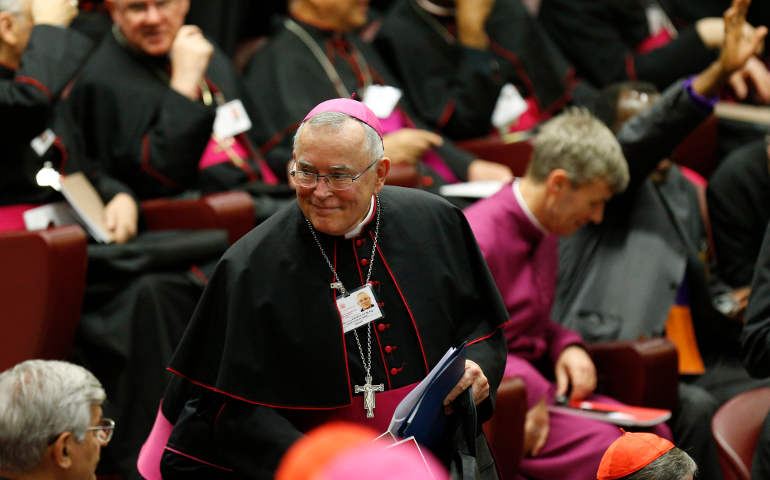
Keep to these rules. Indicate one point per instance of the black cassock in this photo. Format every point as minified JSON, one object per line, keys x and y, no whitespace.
{"x":599,"y":37}
{"x":29,"y":104}
{"x":135,"y":309}
{"x":455,"y":88}
{"x":286,"y":81}
{"x":265,"y":345}
{"x":147,"y":134}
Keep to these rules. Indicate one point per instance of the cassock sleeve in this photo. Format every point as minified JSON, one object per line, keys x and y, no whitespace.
{"x":154,"y":147}
{"x":733,"y":214}
{"x":52,"y":57}
{"x":755,"y":338}
{"x":458,"y":100}
{"x":599,"y":37}
{"x":652,"y":135}
{"x":219,"y":437}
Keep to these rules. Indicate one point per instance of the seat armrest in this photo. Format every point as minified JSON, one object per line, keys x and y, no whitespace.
{"x":505,"y":430}
{"x":638,"y":372}
{"x":41,"y":292}
{"x":231,"y":211}
{"x":515,"y":155}
{"x":403,"y":175}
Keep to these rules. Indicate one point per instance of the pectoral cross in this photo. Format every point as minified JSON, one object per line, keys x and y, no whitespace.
{"x":369,"y":390}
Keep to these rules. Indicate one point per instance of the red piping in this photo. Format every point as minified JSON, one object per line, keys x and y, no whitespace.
{"x":35,"y":83}
{"x":146,"y":165}
{"x":198,"y":459}
{"x":243,"y":399}
{"x":409,"y":310}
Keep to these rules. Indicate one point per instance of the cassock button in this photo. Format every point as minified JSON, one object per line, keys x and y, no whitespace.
{"x":364,"y":262}
{"x":388,"y":349}
{"x":381,"y":327}
{"x":360,"y":242}
{"x":394,"y":371}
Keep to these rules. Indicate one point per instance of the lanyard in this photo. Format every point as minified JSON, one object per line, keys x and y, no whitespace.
{"x":323,"y":60}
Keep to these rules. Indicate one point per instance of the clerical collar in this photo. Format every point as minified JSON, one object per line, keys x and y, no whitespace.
{"x":434,"y":9}
{"x":524,"y":207}
{"x":360,"y":226}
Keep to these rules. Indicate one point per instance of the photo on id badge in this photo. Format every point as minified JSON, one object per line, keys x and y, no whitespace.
{"x":358,"y":308}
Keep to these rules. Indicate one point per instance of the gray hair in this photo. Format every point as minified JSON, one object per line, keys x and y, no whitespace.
{"x":672,"y":465}
{"x":335,"y":121}
{"x":14,"y":7}
{"x":583,"y":146}
{"x":40,"y":399}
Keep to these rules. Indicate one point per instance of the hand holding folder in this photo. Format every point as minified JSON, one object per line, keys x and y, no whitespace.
{"x":421,"y":413}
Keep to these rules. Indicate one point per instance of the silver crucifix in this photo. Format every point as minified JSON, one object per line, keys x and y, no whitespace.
{"x":369,"y":390}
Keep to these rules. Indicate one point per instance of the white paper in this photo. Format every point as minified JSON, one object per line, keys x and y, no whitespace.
{"x":42,"y":217}
{"x":480,"y":189}
{"x":382,"y":99}
{"x":231,"y":120}
{"x":43,"y":142}
{"x":510,"y":105}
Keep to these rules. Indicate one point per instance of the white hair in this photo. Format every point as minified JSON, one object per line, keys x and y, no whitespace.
{"x":40,"y":399}
{"x":336,"y":120}
{"x":12,"y":6}
{"x":583,"y":146}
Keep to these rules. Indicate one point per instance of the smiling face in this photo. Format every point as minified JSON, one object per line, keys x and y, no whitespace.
{"x":325,"y":149}
{"x":570,"y":208}
{"x":364,"y":301}
{"x":149,"y":25}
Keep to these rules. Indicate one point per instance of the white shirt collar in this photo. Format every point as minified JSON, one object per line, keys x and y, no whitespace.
{"x":360,"y":226}
{"x":524,"y":207}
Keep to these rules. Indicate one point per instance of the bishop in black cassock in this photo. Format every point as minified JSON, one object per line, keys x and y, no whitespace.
{"x":313,"y":57}
{"x":143,"y":127}
{"x":31,"y":87}
{"x":265,"y":356}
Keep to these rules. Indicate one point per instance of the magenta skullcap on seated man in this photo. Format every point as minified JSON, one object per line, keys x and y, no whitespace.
{"x":351,"y":107}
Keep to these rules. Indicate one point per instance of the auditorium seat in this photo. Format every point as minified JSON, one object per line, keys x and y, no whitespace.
{"x":736,"y":427}
{"x":638,"y":372}
{"x":514,"y":154}
{"x":231,"y":211}
{"x":505,"y":430}
{"x":41,"y":292}
{"x":44,"y":271}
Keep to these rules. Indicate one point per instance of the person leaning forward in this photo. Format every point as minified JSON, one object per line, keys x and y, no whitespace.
{"x":257,"y":368}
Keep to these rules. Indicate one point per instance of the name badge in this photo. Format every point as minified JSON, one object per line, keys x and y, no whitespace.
{"x":358,"y":308}
{"x":231,"y":119}
{"x":382,"y":99}
{"x":510,"y":105}
{"x":43,"y":142}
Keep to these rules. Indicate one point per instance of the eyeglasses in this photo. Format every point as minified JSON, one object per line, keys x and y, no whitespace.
{"x":141,"y":8}
{"x":104,"y":431}
{"x":335,"y":181}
